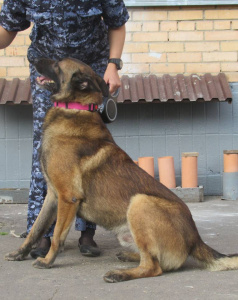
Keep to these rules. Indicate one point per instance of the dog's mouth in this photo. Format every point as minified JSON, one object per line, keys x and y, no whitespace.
{"x":46,"y":83}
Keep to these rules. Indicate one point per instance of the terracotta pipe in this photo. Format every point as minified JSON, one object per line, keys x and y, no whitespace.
{"x":167,"y":171}
{"x":147,"y":164}
{"x":230,"y":161}
{"x":189,"y":170}
{"x":230,"y":175}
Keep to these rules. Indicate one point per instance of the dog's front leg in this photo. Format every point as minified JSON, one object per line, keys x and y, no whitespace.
{"x":65,"y":216}
{"x":46,"y":217}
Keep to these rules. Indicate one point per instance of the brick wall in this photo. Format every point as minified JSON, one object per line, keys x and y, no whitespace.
{"x":182,"y":40}
{"x":162,"y":40}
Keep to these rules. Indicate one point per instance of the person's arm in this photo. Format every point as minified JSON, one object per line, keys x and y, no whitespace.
{"x":116,"y":42}
{"x":6,"y":37}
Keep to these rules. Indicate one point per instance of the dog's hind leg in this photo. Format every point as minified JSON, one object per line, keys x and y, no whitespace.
{"x":126,"y":240}
{"x":65,"y":216}
{"x":128,"y":256}
{"x":149,"y":267}
{"x":143,"y":239}
{"x":46,"y":218}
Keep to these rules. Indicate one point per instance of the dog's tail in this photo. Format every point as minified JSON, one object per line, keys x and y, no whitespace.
{"x":213,"y":260}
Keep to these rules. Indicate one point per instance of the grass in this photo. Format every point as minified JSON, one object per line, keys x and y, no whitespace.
{"x":3,"y":233}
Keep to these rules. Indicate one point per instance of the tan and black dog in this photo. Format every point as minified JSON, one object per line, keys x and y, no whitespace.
{"x":89,"y":175}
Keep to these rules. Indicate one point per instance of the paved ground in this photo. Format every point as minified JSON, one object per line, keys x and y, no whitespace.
{"x":76,"y":277}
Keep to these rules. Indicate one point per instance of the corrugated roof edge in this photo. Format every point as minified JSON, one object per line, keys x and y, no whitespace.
{"x":140,"y":88}
{"x":176,"y":88}
{"x":15,"y":91}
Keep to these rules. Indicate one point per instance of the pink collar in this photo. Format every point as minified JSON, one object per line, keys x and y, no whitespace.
{"x":78,"y":106}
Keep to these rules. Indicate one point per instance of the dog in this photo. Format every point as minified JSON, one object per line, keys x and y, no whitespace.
{"x":89,"y":175}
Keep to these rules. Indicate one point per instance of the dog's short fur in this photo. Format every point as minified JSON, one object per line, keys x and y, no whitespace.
{"x":89,"y":175}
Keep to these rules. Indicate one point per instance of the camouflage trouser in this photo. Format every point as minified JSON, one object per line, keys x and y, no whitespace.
{"x":41,"y":103}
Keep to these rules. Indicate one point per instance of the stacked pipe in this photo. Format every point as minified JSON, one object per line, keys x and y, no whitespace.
{"x":147,"y":164}
{"x":230,"y":175}
{"x":167,"y":170}
{"x":189,"y":169}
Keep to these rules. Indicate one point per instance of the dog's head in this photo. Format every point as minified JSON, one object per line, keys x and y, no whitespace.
{"x":71,"y":80}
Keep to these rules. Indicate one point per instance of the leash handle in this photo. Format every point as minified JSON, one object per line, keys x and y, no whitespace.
{"x":108,"y":109}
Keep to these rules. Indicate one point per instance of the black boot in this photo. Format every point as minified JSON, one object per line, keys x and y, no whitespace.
{"x":86,"y":244}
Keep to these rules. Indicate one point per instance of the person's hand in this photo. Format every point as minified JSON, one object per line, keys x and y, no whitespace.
{"x":111,"y":78}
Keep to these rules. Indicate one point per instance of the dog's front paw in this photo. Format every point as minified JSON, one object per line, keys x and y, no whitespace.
{"x":41,"y":263}
{"x":14,"y":256}
{"x":115,"y":276}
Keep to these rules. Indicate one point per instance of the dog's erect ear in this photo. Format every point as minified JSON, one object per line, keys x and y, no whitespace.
{"x":84,"y":83}
{"x":103,"y":86}
{"x":79,"y":82}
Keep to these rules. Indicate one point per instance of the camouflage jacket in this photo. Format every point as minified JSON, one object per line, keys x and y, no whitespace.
{"x":76,"y":28}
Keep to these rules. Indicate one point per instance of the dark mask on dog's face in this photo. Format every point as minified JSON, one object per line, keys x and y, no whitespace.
{"x":49,"y":78}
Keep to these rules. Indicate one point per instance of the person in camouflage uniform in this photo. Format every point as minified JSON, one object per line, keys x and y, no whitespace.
{"x":88,"y":30}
